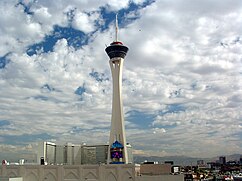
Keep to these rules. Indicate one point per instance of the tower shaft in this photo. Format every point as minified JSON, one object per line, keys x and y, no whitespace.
{"x":117,"y":132}
{"x":117,"y":152}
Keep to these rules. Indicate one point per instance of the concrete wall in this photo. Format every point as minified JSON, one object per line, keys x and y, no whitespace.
{"x":11,"y":179}
{"x":160,"y":178}
{"x":155,"y":169}
{"x":70,"y":172}
{"x":16,"y":179}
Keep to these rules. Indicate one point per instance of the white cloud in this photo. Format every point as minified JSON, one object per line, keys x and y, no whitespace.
{"x":84,"y":22}
{"x":159,"y":130}
{"x":17,"y":29}
{"x":116,"y":4}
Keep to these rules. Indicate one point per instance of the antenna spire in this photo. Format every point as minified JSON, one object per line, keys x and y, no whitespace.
{"x":116,"y":28}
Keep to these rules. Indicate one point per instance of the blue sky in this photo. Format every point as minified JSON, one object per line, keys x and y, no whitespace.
{"x":182,"y":84}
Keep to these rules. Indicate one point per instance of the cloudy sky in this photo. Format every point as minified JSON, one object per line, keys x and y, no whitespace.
{"x":182,"y":78}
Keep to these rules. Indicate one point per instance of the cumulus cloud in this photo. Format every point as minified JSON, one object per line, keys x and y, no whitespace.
{"x":85,"y":22}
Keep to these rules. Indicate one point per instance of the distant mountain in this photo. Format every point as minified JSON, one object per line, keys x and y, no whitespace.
{"x":229,"y":157}
{"x":178,"y":160}
{"x":182,"y":160}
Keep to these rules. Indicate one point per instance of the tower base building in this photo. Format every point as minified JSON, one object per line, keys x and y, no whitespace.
{"x":50,"y":153}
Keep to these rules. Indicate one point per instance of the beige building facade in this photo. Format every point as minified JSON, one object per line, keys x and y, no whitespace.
{"x":110,"y":172}
{"x":155,"y":169}
{"x":122,"y":172}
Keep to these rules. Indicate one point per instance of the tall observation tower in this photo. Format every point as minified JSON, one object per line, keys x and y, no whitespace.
{"x":117,"y":142}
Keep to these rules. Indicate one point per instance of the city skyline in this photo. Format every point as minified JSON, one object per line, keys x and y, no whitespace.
{"x":182,"y":83}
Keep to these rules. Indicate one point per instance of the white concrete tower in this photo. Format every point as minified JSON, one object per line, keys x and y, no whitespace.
{"x":117,"y":152}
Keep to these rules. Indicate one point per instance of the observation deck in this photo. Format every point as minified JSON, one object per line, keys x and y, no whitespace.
{"x":116,"y":49}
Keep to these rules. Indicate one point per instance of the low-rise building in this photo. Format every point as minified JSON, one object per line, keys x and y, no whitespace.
{"x":155,"y":169}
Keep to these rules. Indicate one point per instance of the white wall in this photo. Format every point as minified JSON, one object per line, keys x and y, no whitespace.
{"x":160,"y":178}
{"x":16,"y":179}
{"x":110,"y":172}
{"x":70,"y":172}
{"x":11,"y":179}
